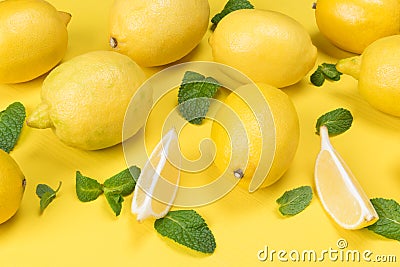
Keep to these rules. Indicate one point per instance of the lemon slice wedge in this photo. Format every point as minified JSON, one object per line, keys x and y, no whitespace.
{"x":157,"y":184}
{"x":339,"y":191}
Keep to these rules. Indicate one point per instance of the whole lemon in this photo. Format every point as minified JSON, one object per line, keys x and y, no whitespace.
{"x":12,"y":186}
{"x":283,"y":126}
{"x":268,"y":46}
{"x":33,"y":39}
{"x":378,"y":73}
{"x":157,"y":32}
{"x":84,"y":100}
{"x":353,"y":24}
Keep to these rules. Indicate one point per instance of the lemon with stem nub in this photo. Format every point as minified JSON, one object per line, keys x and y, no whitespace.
{"x":84,"y":100}
{"x":156,"y":32}
{"x":33,"y":39}
{"x":248,"y":145}
{"x":12,"y":186}
{"x":378,"y":72}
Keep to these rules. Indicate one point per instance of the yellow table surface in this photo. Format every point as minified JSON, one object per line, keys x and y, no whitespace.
{"x":71,"y":233}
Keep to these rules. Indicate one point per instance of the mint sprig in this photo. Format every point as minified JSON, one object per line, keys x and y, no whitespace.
{"x":114,"y":188}
{"x":46,"y":194}
{"x":388,"y":224}
{"x":230,"y":6}
{"x":295,"y":201}
{"x":11,"y":122}
{"x":337,"y":121}
{"x":194,"y":94}
{"x":187,"y":228}
{"x":325,"y":71}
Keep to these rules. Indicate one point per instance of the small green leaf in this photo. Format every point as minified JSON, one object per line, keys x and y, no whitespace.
{"x":46,"y":194}
{"x":330,"y":71}
{"x":337,"y":121}
{"x":187,"y":228}
{"x":231,"y":6}
{"x":122,"y":183}
{"x":11,"y":123}
{"x":43,"y":188}
{"x":194,"y":94}
{"x":317,"y":78}
{"x":294,"y":201}
{"x":388,"y":224}
{"x":115,"y":202}
{"x":87,"y":189}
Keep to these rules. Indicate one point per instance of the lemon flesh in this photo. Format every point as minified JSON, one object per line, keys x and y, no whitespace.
{"x":354,"y":24}
{"x":12,"y":186}
{"x":248,"y":145}
{"x":84,"y":100}
{"x":33,"y":39}
{"x":156,"y":32}
{"x":378,"y":74}
{"x":267,"y":46}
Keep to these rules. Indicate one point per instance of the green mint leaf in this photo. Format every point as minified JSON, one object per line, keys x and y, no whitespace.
{"x":330,"y":71}
{"x":122,"y":183}
{"x":187,"y":228}
{"x":87,"y":189}
{"x":317,"y":78}
{"x":295,"y":201}
{"x":43,"y":188}
{"x":115,"y":202}
{"x":231,"y":6}
{"x":11,"y":122}
{"x":46,"y":194}
{"x":388,"y":224}
{"x":337,"y":121}
{"x":194,"y":94}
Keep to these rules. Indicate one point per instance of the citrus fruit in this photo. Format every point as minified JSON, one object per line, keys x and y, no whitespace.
{"x":156,"y":32}
{"x":33,"y":39}
{"x":157,"y":184}
{"x":353,"y":24}
{"x":267,"y":46}
{"x":339,"y":191}
{"x":84,"y":100}
{"x":378,"y":72}
{"x":248,"y":144}
{"x":12,"y":186}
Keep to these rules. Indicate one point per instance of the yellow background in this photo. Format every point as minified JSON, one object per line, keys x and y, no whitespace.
{"x":71,"y":233}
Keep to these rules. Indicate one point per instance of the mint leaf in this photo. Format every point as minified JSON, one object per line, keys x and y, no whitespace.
{"x":194,"y":94}
{"x":231,"y":6}
{"x":115,"y":202}
{"x":295,"y":201}
{"x":187,"y":228}
{"x":318,"y":77}
{"x":388,"y":224}
{"x":330,"y":71}
{"x":11,"y":122}
{"x":46,"y":194}
{"x":325,"y":71}
{"x":122,"y":183}
{"x":87,"y":189}
{"x":337,"y":121}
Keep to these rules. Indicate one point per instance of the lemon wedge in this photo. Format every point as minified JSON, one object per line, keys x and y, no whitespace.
{"x":157,"y":184}
{"x":339,"y":191}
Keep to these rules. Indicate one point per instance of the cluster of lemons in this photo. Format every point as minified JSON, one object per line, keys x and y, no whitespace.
{"x":84,"y":99}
